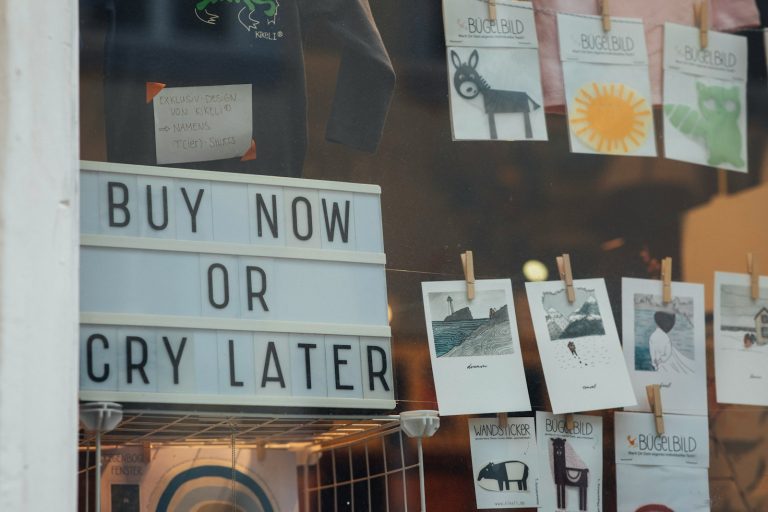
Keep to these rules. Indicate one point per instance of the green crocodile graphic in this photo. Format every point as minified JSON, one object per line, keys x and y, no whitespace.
{"x":269,"y":11}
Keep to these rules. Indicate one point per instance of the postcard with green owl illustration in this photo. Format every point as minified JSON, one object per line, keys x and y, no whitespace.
{"x":705,"y":98}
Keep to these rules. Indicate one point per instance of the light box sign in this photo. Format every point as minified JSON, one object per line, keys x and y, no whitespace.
{"x":214,"y":288}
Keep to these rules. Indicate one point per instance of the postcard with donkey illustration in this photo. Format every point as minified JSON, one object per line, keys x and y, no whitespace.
{"x":705,"y":98}
{"x":741,"y":340}
{"x":665,"y":344}
{"x":504,"y":463}
{"x":493,"y":72}
{"x":661,"y":472}
{"x":474,"y":347}
{"x":570,"y":462}
{"x":579,"y":347}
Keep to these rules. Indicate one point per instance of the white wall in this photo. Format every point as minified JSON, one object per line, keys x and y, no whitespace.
{"x":38,"y":255}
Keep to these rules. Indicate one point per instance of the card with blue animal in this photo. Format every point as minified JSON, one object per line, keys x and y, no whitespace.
{"x":579,"y":346}
{"x":705,"y":98}
{"x":504,"y":462}
{"x":570,"y":462}
{"x":495,"y":94}
{"x":607,"y":85}
{"x":665,"y":344}
{"x":474,"y":347}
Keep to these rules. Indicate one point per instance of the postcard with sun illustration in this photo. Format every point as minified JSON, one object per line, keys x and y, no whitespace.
{"x":665,"y":344}
{"x":474,"y":347}
{"x":579,"y":347}
{"x":607,"y":86}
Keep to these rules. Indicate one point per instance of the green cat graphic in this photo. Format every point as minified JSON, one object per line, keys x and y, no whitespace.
{"x":716,"y":122}
{"x":269,"y":11}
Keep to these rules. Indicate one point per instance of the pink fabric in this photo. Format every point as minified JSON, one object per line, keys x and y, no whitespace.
{"x":726,"y":15}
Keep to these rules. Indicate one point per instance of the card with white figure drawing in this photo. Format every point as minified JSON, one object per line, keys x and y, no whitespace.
{"x":495,"y":94}
{"x":705,"y":98}
{"x":570,"y":463}
{"x":607,"y":85}
{"x":741,"y":340}
{"x":504,"y":462}
{"x":486,"y":24}
{"x":665,"y":344}
{"x":661,"y":472}
{"x":474,"y":347}
{"x":579,"y":346}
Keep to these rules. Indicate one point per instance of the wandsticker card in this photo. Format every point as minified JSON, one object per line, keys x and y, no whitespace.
{"x":474,"y":347}
{"x":570,"y":463}
{"x":493,"y":72}
{"x":579,"y":347}
{"x":607,"y":86}
{"x":665,"y":344}
{"x":741,"y":340}
{"x":705,"y":98}
{"x":661,"y":472}
{"x":504,"y":462}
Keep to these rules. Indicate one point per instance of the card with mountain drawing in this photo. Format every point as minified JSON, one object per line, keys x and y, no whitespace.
{"x":579,"y":347}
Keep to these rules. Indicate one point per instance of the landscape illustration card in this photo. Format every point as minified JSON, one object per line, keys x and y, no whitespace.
{"x":667,"y":472}
{"x":705,"y":98}
{"x":495,"y":94}
{"x":665,"y":344}
{"x":474,"y":347}
{"x":469,"y":24}
{"x":570,"y":463}
{"x":607,"y":86}
{"x":579,"y":347}
{"x":741,"y":340}
{"x":504,"y":462}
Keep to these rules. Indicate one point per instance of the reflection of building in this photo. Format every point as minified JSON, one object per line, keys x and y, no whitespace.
{"x":761,"y":326}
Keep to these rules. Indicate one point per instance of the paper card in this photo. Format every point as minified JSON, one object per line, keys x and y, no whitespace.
{"x":685,"y":441}
{"x":741,"y":340}
{"x":665,"y":344}
{"x":198,"y":124}
{"x":570,"y":463}
{"x":579,"y":347}
{"x":504,"y":462}
{"x":661,"y":489}
{"x":469,"y":24}
{"x":607,"y":86}
{"x":475,"y":348}
{"x":495,"y":94}
{"x":705,"y":98}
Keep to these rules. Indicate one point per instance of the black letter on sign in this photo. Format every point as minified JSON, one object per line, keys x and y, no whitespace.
{"x":260,"y":294}
{"x":307,"y":347}
{"x":111,"y":186}
{"x":232,"y":380}
{"x":211,"y":299}
{"x":272,"y":352}
{"x":296,"y":221}
{"x":380,"y":373}
{"x":261,"y":206}
{"x":330,"y":227}
{"x":151,"y":221}
{"x":176,"y":359}
{"x":89,"y":357}
{"x":140,"y":365}
{"x":193,"y":209}
{"x":338,"y":362}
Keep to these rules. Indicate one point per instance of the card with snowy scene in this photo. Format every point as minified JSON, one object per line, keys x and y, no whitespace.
{"x":579,"y":346}
{"x":665,"y":344}
{"x":474,"y":347}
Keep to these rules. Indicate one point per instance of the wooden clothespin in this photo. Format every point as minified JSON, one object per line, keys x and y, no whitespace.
{"x":569,"y":422}
{"x":468,"y":264}
{"x":605,"y":12}
{"x":701,"y":16}
{"x":754,"y":283}
{"x":491,"y":10}
{"x":502,"y":417}
{"x":654,"y":400}
{"x":564,"y":268}
{"x":666,"y":279}
{"x":146,"y":449}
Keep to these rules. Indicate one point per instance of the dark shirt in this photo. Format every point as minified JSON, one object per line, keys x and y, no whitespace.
{"x":183,"y":43}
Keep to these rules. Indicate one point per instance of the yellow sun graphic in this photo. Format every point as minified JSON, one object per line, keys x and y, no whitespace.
{"x":610,"y":118}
